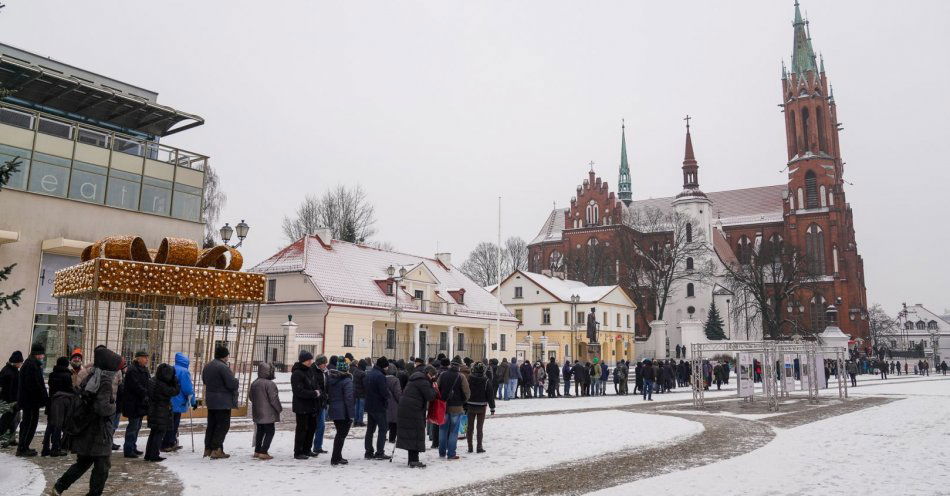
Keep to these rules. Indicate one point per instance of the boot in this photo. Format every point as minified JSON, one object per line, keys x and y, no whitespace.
{"x":218,"y":454}
{"x":417,"y":465}
{"x":264,"y":456}
{"x":480,"y":450}
{"x":207,"y":453}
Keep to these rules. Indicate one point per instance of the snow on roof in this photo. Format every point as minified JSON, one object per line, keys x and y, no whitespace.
{"x":563,"y":289}
{"x":732,"y":207}
{"x":346,"y":273}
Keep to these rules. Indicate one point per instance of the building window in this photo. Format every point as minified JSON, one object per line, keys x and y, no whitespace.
{"x":88,"y":183}
{"x":502,"y":343}
{"x":580,"y":318}
{"x":689,"y":263}
{"x":908,"y":325}
{"x":811,"y":190}
{"x":818,"y":322}
{"x":419,"y":294}
{"x":920,"y":325}
{"x":156,"y":196}
{"x":567,"y":351}
{"x":519,"y":313}
{"x":389,"y":289}
{"x":545,"y":316}
{"x":50,"y":175}
{"x":605,"y":321}
{"x":460,"y":342}
{"x":815,"y":249}
{"x":348,"y":336}
{"x":123,"y":190}
{"x":567,"y":318}
{"x":744,"y":250}
{"x":932,"y":325}
{"x":618,"y":320}
{"x":390,"y":339}
{"x":444,"y":341}
{"x":519,"y":292}
{"x":690,"y":290}
{"x":272,"y":290}
{"x":554,"y":260}
{"x":689,"y":233}
{"x":628,"y":321}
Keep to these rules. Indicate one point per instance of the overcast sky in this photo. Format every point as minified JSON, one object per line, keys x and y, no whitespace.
{"x":437,"y":108}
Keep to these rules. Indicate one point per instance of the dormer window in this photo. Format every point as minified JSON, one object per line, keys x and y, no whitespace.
{"x":390,"y":288}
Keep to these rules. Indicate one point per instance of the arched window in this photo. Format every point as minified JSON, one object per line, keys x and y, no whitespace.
{"x":690,"y":290}
{"x":689,"y":263}
{"x":801,"y":198}
{"x":593,"y":213}
{"x":932,"y":325}
{"x":921,"y":325}
{"x":817,"y":310}
{"x":811,"y":190}
{"x":554,"y":261}
{"x":815,"y":249}
{"x":689,"y":233}
{"x":805,"y":119}
{"x":744,"y":250}
{"x":776,"y":246}
{"x":822,"y":141}
{"x":908,"y":325}
{"x":793,"y":131}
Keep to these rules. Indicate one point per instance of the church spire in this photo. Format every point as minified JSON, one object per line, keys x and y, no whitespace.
{"x":625,"y":194}
{"x":803,"y":55}
{"x":690,"y":166}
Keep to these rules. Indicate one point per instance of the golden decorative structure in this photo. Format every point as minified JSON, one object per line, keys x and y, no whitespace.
{"x":130,"y":306}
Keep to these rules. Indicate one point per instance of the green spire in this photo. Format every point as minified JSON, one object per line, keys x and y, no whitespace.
{"x":625,"y":194}
{"x":803,"y":55}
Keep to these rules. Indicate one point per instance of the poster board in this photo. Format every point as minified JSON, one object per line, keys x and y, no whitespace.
{"x":746,"y":375}
{"x":788,"y":373}
{"x":806,"y":374}
{"x":820,"y":371}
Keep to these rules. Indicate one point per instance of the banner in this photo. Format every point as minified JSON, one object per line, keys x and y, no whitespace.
{"x":746,"y":375}
{"x":788,"y":375}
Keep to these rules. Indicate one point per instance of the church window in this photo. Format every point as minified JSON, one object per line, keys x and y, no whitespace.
{"x":554,"y":260}
{"x":775,"y":246}
{"x":815,"y":249}
{"x":801,"y":198}
{"x":805,"y":133}
{"x":811,"y":190}
{"x":593,"y":213}
{"x":793,"y":131}
{"x":831,"y":198}
{"x":908,"y":325}
{"x":689,"y":233}
{"x":592,"y":242}
{"x":822,"y":195}
{"x":744,"y":250}
{"x":690,"y":290}
{"x":822,"y":140}
{"x":817,"y":309}
{"x":932,"y":325}
{"x":689,"y":263}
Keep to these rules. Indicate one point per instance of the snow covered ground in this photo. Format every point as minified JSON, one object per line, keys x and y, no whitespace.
{"x":18,"y":476}
{"x":514,"y":444}
{"x":897,"y":448}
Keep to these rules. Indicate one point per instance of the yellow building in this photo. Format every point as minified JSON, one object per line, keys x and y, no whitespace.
{"x":333,"y":297}
{"x":552,"y":313}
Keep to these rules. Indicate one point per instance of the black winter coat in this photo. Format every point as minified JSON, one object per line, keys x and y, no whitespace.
{"x":135,"y":391}
{"x":411,"y":417}
{"x":162,"y":388}
{"x":482,"y":392}
{"x":554,"y":372}
{"x":9,"y":383}
{"x":304,"y":383}
{"x":221,"y":387}
{"x":358,"y":376}
{"x":96,"y":440}
{"x":648,"y":373}
{"x":60,"y":392}
{"x":377,"y":394}
{"x":32,"y":389}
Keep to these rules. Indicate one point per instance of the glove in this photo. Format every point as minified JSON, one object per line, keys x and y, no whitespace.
{"x":318,"y":392}
{"x":194,"y":404}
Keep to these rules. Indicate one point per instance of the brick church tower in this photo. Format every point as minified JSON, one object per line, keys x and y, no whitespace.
{"x":818,"y":218}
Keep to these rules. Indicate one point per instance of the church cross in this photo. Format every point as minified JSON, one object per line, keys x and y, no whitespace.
{"x":687,"y":118}
{"x":591,"y":164}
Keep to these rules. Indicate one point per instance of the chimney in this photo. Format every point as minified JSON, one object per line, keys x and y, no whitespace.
{"x":444,"y":258}
{"x":325,"y":235}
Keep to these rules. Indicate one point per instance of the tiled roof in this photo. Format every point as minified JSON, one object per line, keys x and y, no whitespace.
{"x":732,"y":207}
{"x":563,"y":289}
{"x":346,"y":273}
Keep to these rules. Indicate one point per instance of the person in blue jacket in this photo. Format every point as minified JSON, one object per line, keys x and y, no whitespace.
{"x":180,"y":402}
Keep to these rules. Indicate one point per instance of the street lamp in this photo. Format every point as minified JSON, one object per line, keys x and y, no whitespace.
{"x":391,"y":272}
{"x":575,"y":300}
{"x":227,"y":231}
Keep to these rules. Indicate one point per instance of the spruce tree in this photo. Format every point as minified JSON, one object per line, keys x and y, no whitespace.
{"x":6,"y":172}
{"x":714,"y":324}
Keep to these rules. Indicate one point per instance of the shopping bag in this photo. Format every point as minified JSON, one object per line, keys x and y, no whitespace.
{"x":463,"y":426}
{"x":436,"y":414}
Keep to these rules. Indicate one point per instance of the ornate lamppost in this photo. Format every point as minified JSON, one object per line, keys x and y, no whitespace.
{"x":391,"y":271}
{"x":240,"y":229}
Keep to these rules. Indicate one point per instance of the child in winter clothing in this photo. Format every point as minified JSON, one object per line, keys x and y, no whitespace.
{"x":161,"y":389}
{"x":265,"y":409}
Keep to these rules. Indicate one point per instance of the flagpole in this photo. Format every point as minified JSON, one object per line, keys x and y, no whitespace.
{"x":498,"y":279}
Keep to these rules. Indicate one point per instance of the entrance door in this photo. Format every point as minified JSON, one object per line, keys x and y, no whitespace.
{"x":422,"y":344}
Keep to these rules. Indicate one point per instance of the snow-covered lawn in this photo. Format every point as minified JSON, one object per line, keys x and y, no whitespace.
{"x":18,"y":476}
{"x":513,"y":444}
{"x":897,"y":448}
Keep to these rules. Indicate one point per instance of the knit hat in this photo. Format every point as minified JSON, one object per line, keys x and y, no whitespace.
{"x":342,"y":366}
{"x":62,"y":362}
{"x":333,"y":361}
{"x":37,"y":349}
{"x":304,"y":356}
{"x":142,"y":353}
{"x":420,"y":361}
{"x":76,"y":353}
{"x":221,"y":352}
{"x":445,"y":362}
{"x":382,"y":362}
{"x":478,"y":368}
{"x":16,"y":357}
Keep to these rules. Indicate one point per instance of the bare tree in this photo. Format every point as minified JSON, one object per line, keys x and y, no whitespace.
{"x":381,"y":245}
{"x":594,"y":264}
{"x":661,"y":251}
{"x":347,"y":212}
{"x":214,"y":200}
{"x":481,"y":265}
{"x":882,"y":325}
{"x":765,"y":279}
{"x":516,"y":252}
{"x":6,"y":172}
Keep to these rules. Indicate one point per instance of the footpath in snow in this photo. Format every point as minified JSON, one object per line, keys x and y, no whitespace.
{"x":20,"y":477}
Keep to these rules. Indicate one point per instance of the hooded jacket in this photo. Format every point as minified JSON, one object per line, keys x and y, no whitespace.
{"x":221,"y":387}
{"x":481,"y":391}
{"x":162,"y":388}
{"x":374,"y":387}
{"x":503,"y":372}
{"x":96,"y":440}
{"x":187,"y":392}
{"x":394,"y":391}
{"x":342,"y":397}
{"x":265,"y":401}
{"x":60,"y":391}
{"x":32,"y":390}
{"x":9,"y":383}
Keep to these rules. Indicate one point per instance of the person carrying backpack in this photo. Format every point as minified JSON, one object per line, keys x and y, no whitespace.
{"x":91,"y":425}
{"x":60,"y":393}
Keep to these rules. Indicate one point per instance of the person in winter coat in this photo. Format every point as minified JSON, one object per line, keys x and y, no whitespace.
{"x":455,"y":391}
{"x":648,"y":376}
{"x":481,"y":397}
{"x":527,"y":378}
{"x":180,"y":402}
{"x":554,"y":375}
{"x":411,"y":415}
{"x":514,"y":378}
{"x":221,"y":390}
{"x":717,"y":374}
{"x":358,"y":371}
{"x":377,"y":399}
{"x":93,"y":446}
{"x":502,"y":376}
{"x":595,"y":377}
{"x":9,"y":385}
{"x":540,"y":377}
{"x":162,"y":388}
{"x":75,"y":366}
{"x":321,"y":374}
{"x":342,"y":408}
{"x":307,"y":398}
{"x":402,"y":373}
{"x":135,"y":402}
{"x":604,"y":374}
{"x":31,"y":396}
{"x":567,"y":371}
{"x":60,"y":392}
{"x":394,"y":387}
{"x":265,"y":409}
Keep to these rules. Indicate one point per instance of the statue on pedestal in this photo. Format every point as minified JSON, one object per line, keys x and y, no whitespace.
{"x":592,"y":326}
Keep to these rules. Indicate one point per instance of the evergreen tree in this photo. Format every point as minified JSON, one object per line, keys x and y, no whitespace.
{"x":6,"y":172}
{"x":714,"y":324}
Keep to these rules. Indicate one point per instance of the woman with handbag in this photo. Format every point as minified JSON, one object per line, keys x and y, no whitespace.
{"x":411,"y":414}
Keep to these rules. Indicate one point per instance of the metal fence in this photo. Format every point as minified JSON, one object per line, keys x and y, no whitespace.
{"x":271,"y":349}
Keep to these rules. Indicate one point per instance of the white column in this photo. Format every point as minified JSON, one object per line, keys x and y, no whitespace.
{"x":451,"y":344}
{"x":290,"y":343}
{"x":658,"y":338}
{"x":415,"y":340}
